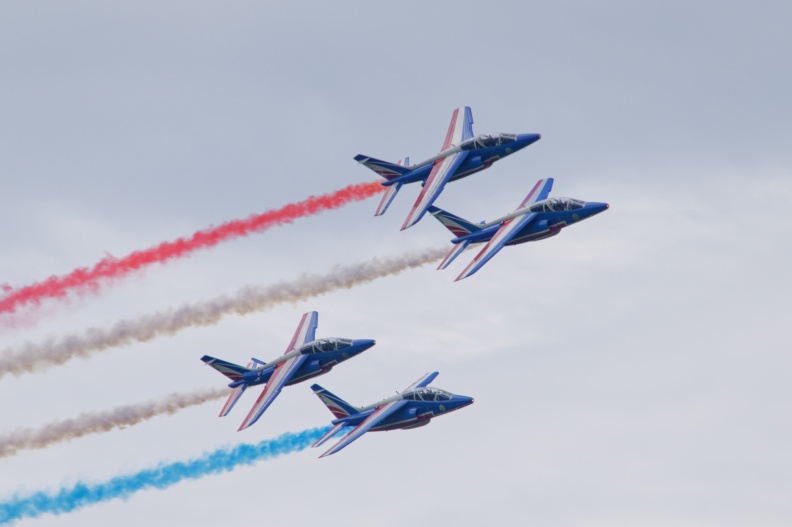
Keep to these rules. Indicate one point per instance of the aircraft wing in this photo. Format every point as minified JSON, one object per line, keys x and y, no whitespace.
{"x":377,"y":416}
{"x":306,"y":332}
{"x":460,"y":129}
{"x":539,"y":192}
{"x":506,"y":232}
{"x":423,"y":381}
{"x":283,"y":372}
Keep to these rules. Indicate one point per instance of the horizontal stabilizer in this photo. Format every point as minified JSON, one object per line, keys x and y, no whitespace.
{"x":390,"y":193}
{"x":456,"y":250}
{"x":329,"y":435}
{"x":236,"y":393}
{"x":382,"y":168}
{"x":229,"y":369}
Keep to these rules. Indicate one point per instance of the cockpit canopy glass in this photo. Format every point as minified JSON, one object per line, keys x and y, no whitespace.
{"x":428,"y":394}
{"x":557,"y":205}
{"x":324,"y":345}
{"x":487,"y":141}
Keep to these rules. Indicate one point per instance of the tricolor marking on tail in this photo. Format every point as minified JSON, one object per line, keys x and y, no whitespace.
{"x":229,"y":369}
{"x":458,"y":226}
{"x":384,"y":168}
{"x":337,"y":406}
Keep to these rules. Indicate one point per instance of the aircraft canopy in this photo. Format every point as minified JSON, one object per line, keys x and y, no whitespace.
{"x":487,"y":140}
{"x":428,"y":394}
{"x":557,"y":205}
{"x":323,"y":345}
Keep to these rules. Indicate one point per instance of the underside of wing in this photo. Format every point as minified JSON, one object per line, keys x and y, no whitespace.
{"x":507,"y":231}
{"x":280,"y":377}
{"x":441,"y":172}
{"x":376,"y":417}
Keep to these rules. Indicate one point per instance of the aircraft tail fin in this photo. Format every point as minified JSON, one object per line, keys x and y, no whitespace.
{"x":458,"y":226}
{"x":339,"y":407}
{"x":229,"y":369}
{"x":384,"y":168}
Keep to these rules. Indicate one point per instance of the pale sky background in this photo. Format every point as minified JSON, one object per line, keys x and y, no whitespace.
{"x":632,"y":371}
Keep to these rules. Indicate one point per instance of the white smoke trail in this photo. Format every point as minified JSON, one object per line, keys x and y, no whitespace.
{"x":31,"y":357}
{"x":96,"y":422}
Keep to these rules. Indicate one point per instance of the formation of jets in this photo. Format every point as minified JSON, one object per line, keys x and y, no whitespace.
{"x":537,"y":217}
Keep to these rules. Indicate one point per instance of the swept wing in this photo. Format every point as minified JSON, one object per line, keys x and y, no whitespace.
{"x":423,"y":381}
{"x":306,"y":332}
{"x":372,"y":420}
{"x":460,"y":129}
{"x":378,"y":415}
{"x":509,"y":228}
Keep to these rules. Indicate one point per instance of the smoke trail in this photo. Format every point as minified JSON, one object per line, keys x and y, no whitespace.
{"x":84,"y":279}
{"x":92,"y":423}
{"x":160,"y":477}
{"x":30,"y":357}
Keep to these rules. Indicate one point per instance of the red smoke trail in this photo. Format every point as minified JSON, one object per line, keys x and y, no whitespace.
{"x":111,"y":267}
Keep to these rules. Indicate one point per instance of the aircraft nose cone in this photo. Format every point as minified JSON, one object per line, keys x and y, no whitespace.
{"x":365,"y":344}
{"x":527,"y":139}
{"x":596,"y":207}
{"x":463,"y":400}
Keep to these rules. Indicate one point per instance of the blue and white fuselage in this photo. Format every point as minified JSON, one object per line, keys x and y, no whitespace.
{"x":461,"y":155}
{"x":305,"y":357}
{"x":538,"y":217}
{"x":323,"y":355}
{"x":414,"y":407}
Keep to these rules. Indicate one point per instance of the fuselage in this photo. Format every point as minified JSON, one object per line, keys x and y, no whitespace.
{"x":480,"y":153}
{"x":546,"y":223}
{"x":323,"y":355}
{"x":423,"y":404}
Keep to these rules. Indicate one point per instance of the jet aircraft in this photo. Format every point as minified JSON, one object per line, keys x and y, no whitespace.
{"x":537,"y":217}
{"x":305,"y":357}
{"x":413,"y":407}
{"x":461,"y":155}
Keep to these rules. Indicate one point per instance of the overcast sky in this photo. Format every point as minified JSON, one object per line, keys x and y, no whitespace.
{"x":632,"y":371}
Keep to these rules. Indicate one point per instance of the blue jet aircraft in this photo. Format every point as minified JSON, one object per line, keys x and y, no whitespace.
{"x":304,"y":358}
{"x":536,"y":218}
{"x":412,"y":408}
{"x":460,"y":156}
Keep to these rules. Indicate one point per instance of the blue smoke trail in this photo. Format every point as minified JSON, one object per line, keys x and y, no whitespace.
{"x":161,"y":477}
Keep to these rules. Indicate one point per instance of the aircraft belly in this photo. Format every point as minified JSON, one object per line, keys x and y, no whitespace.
{"x":538,"y":230}
{"x":473,"y":165}
{"x":391,"y":424}
{"x":309,"y":370}
{"x":407,"y":417}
